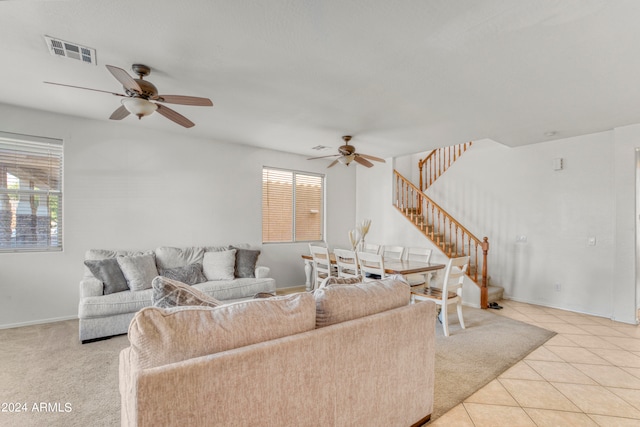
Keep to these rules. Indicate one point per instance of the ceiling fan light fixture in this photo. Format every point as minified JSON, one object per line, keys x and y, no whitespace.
{"x":139,"y":106}
{"x":345,"y":160}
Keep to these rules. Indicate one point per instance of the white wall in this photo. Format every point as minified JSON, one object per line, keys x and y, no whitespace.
{"x":503,"y":192}
{"x":128,"y":187}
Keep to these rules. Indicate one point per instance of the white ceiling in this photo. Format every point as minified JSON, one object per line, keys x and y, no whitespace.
{"x":401,"y":76}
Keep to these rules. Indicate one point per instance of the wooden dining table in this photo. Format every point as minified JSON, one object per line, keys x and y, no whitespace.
{"x":393,"y":267}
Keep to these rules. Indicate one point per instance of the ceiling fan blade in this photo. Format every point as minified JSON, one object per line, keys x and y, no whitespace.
{"x":375,"y":159}
{"x":85,"y":88}
{"x":120,"y":113}
{"x":332,"y":163}
{"x":362,"y":161}
{"x":323,"y":157}
{"x":185,"y":100}
{"x":123,"y":77}
{"x":174,"y":116}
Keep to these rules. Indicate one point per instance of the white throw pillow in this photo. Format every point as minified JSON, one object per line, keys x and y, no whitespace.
{"x":219,"y":265}
{"x":138,"y":270}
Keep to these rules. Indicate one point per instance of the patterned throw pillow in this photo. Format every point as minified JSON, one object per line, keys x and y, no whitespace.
{"x":342,"y":280}
{"x":169,"y":293}
{"x":189,"y":274}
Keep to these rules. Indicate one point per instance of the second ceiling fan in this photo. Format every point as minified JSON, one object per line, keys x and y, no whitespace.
{"x":347,"y":154}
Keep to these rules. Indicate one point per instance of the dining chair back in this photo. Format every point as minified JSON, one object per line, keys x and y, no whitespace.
{"x":371,"y":266}
{"x":371,"y":248}
{"x":395,"y":253}
{"x":421,"y":255}
{"x":451,"y":292}
{"x":347,"y":262}
{"x":321,"y":264}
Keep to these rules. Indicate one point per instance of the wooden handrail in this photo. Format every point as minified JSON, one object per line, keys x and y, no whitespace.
{"x":438,"y":161}
{"x":444,"y":231}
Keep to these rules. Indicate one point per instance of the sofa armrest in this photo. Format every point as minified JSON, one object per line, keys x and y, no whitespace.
{"x":91,"y":287}
{"x":262,"y":272}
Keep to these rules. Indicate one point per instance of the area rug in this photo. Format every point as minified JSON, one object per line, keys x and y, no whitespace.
{"x":470,"y":358}
{"x":48,"y":378}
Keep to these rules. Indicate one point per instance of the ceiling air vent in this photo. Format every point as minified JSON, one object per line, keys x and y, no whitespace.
{"x":65,"y":49}
{"x":320,"y":147}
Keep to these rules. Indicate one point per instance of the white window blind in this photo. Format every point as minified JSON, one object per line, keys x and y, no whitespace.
{"x":292,"y":206}
{"x":30,"y":193}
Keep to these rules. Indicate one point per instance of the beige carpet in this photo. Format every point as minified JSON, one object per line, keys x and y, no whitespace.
{"x":470,"y":358}
{"x":78,"y":384}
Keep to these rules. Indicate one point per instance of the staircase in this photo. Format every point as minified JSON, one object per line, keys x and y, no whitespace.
{"x":453,"y":239}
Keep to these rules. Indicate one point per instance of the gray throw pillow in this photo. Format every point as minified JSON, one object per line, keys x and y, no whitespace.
{"x":246,"y":260}
{"x":109,"y":273}
{"x":189,"y":274}
{"x":342,"y":280}
{"x":138,"y":270}
{"x":169,"y":293}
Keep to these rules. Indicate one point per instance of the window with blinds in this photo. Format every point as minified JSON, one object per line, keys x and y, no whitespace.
{"x":292,"y":206}
{"x":30,"y":193}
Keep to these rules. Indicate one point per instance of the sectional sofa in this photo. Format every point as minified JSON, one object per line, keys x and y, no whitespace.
{"x":117,"y":283}
{"x":346,"y":355}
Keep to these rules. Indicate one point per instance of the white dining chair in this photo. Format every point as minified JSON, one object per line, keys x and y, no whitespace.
{"x":421,"y":255}
{"x":371,"y":248}
{"x":347,"y":262}
{"x":321,"y":264}
{"x":451,"y":292}
{"x":395,"y":253}
{"x":371,"y":266}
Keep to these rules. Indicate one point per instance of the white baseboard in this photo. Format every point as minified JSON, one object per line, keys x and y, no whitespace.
{"x":37,"y":322}
{"x":565,"y":309}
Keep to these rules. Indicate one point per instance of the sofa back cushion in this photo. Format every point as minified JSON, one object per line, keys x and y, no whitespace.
{"x":169,"y":257}
{"x":162,"y":336}
{"x":339,"y":303}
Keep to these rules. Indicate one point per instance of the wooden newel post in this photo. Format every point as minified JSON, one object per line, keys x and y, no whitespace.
{"x":420,"y":165}
{"x":484,"y":290}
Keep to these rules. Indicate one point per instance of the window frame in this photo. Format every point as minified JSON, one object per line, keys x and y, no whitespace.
{"x":53,"y":149}
{"x":323,"y":209}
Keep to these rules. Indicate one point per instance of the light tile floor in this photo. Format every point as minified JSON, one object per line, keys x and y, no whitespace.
{"x":587,"y":375}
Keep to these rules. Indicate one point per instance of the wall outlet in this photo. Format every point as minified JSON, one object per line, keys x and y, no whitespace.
{"x":521,"y":239}
{"x":557,"y":287}
{"x":591,"y":241}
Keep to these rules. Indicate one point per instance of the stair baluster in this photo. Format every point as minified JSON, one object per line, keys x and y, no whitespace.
{"x":444,"y":231}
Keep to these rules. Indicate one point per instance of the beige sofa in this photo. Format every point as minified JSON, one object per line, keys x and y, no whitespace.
{"x":346,"y":355}
{"x":102,"y":314}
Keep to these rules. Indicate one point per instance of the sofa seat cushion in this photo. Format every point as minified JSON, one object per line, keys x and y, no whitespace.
{"x":339,"y":303}
{"x":162,"y":336}
{"x":113,"y":304}
{"x":236,"y":288}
